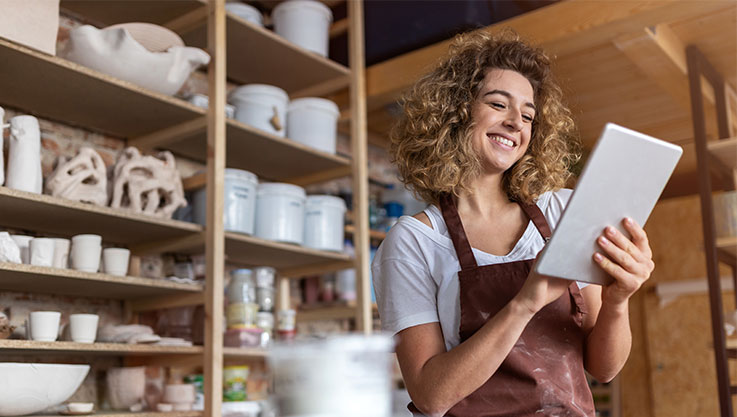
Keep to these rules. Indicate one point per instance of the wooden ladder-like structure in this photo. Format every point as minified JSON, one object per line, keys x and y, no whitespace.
{"x":698,"y":67}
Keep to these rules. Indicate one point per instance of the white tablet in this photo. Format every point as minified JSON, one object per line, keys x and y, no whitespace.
{"x":623,"y":177}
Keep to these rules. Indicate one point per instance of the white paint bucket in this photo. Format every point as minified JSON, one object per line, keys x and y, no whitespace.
{"x":261,"y":106}
{"x":246,"y":12}
{"x":304,"y":23}
{"x":335,"y":377}
{"x":280,"y":212}
{"x":324,"y":222}
{"x":313,"y":122}
{"x":239,"y":208}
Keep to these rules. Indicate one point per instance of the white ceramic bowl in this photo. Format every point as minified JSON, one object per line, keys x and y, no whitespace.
{"x":27,"y":388}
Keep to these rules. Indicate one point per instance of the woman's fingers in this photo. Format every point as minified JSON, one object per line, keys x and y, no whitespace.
{"x":639,"y":237}
{"x":622,"y":252}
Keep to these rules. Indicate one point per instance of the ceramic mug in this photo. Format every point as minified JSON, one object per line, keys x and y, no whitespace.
{"x":83,"y":327}
{"x":61,"y":253}
{"x":41,"y":251}
{"x":86,"y":252}
{"x":115,"y":261}
{"x":44,"y":325}
{"x":23,"y":242}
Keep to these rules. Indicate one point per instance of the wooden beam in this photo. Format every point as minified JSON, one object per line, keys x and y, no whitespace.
{"x":338,"y":28}
{"x":299,"y":272}
{"x":195,"y":182}
{"x":168,"y":245}
{"x":168,"y":135}
{"x":322,"y":89}
{"x":188,"y":22}
{"x":562,"y":28}
{"x":169,"y":301}
{"x":319,"y":176}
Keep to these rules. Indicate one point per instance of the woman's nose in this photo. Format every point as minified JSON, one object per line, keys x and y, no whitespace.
{"x":513,"y":121}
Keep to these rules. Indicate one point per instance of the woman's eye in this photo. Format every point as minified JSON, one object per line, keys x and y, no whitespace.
{"x":527,"y":118}
{"x":498,"y":105}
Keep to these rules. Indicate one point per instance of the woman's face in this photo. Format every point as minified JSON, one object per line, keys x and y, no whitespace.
{"x":503,"y":114}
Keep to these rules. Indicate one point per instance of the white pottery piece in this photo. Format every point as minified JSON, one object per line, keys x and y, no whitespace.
{"x":155,"y":38}
{"x":24,"y":155}
{"x":83,"y":178}
{"x":115,"y":52}
{"x":2,"y":158}
{"x":147,"y":184}
{"x":31,"y":387}
{"x":125,"y":386}
{"x":9,"y":250}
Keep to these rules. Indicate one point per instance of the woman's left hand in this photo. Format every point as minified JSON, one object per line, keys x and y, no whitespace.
{"x":629,"y":262}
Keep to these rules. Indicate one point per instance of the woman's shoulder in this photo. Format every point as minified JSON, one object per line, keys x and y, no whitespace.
{"x":552,"y":204}
{"x":411,"y":239}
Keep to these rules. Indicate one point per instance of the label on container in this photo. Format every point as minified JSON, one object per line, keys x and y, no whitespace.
{"x":241,"y":314}
{"x":234,"y":383}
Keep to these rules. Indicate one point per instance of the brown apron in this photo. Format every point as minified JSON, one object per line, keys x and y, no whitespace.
{"x":543,"y":374}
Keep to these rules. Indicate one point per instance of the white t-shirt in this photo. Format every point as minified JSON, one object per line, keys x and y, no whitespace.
{"x":415,"y":270}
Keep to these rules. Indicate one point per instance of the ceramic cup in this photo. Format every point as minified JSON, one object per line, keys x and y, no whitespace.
{"x":61,"y":253}
{"x":83,"y":327}
{"x":86,"y":252}
{"x":23,"y":242}
{"x":42,"y":251}
{"x":44,"y":325}
{"x":115,"y":261}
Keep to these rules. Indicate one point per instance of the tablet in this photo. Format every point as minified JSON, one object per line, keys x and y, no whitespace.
{"x":623,"y":177}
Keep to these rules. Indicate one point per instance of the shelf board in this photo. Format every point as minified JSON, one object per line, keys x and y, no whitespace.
{"x":46,"y":214}
{"x":728,"y":247}
{"x":373,"y":234}
{"x":47,"y":280}
{"x":244,"y":353}
{"x":110,"y":12}
{"x":266,"y":155}
{"x":289,"y":259}
{"x":57,"y":89}
{"x":330,"y":311}
{"x":724,"y":152}
{"x":32,"y":347}
{"x":258,"y":55}
{"x":106,"y":413}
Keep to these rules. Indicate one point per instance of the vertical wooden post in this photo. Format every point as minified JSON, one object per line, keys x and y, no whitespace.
{"x":360,"y":164}
{"x":215,"y":233}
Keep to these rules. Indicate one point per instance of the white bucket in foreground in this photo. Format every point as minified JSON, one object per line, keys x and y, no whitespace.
{"x":314,"y":122}
{"x":280,"y":212}
{"x":324,"y":222}
{"x":339,"y":376}
{"x":304,"y":23}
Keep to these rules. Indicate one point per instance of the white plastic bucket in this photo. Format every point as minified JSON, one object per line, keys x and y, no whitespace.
{"x":328,"y":377}
{"x":239,"y":208}
{"x":304,"y":23}
{"x":324,"y":222}
{"x":280,"y":212}
{"x":261,"y":106}
{"x":246,"y":12}
{"x":313,"y":121}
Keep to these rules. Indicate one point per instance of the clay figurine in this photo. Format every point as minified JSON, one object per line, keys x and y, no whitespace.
{"x":83,"y":178}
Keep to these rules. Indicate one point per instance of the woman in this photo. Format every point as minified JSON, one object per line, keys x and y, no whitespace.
{"x":487,"y":142}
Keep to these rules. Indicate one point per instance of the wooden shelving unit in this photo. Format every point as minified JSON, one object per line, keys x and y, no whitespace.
{"x":334,"y":311}
{"x":31,"y":347}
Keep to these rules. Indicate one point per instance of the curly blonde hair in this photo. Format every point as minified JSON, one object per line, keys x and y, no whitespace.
{"x":431,"y":143}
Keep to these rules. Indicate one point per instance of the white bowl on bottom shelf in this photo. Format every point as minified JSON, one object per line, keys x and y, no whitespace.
{"x":27,"y":388}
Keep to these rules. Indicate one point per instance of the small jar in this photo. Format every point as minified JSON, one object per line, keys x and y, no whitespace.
{"x":241,"y":293}
{"x":264,"y":277}
{"x":234,"y":383}
{"x":265,"y":321}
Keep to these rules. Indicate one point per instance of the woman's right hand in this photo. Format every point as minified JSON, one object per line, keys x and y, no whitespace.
{"x":540,"y":290}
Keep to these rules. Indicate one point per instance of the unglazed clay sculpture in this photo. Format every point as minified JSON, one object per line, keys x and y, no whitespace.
{"x":24,"y":155}
{"x":83,"y":178}
{"x":147,"y":184}
{"x":9,"y":250}
{"x":115,"y":52}
{"x":125,"y":386}
{"x":2,"y":159}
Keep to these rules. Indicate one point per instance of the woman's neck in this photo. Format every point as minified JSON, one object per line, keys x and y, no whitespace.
{"x":484,"y":197}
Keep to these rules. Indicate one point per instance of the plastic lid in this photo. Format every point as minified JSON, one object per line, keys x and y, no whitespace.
{"x":297,"y":4}
{"x":315,"y":103}
{"x":265,"y":319}
{"x":241,"y":271}
{"x":249,"y":90}
{"x":264,"y":276}
{"x":240,"y":174}
{"x":328,"y":200}
{"x":281,"y":188}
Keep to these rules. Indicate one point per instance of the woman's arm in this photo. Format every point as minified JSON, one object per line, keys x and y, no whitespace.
{"x":610,"y":339}
{"x":438,"y":379}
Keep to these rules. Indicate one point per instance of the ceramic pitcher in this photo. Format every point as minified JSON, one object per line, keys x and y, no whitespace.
{"x":24,"y":155}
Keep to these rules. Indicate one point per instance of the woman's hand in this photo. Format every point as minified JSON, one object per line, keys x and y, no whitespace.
{"x":629,"y":262}
{"x":541,"y":290}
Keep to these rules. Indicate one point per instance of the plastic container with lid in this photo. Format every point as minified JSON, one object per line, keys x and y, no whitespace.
{"x":261,"y":106}
{"x":327,"y":377}
{"x":265,"y":292}
{"x":241,"y":294}
{"x":325,"y":222}
{"x":239,"y":208}
{"x":246,"y":12}
{"x":241,"y":409}
{"x":304,"y":23}
{"x":313,"y":122}
{"x":265,"y":322}
{"x":280,"y":212}
{"x":201,"y":100}
{"x":234,"y":383}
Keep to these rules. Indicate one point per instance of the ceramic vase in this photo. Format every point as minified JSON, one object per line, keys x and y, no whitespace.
{"x":24,"y":155}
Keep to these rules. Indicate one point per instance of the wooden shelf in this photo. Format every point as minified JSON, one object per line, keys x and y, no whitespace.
{"x":268,"y":156}
{"x":31,"y":347}
{"x":289,"y":259}
{"x":46,"y":280}
{"x":57,"y":89}
{"x":336,"y":311}
{"x":258,"y":55}
{"x":724,"y":154}
{"x":728,"y":247}
{"x":373,"y":234}
{"x":140,"y":414}
{"x":110,"y":12}
{"x":244,"y":353}
{"x":46,"y":214}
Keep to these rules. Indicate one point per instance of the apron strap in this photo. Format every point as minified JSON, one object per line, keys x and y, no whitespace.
{"x":457,"y":233}
{"x":537,"y":217}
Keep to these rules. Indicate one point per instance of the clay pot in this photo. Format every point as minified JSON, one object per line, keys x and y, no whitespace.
{"x":125,"y":386}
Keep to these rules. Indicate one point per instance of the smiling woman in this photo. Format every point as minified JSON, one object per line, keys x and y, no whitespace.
{"x":487,"y":142}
